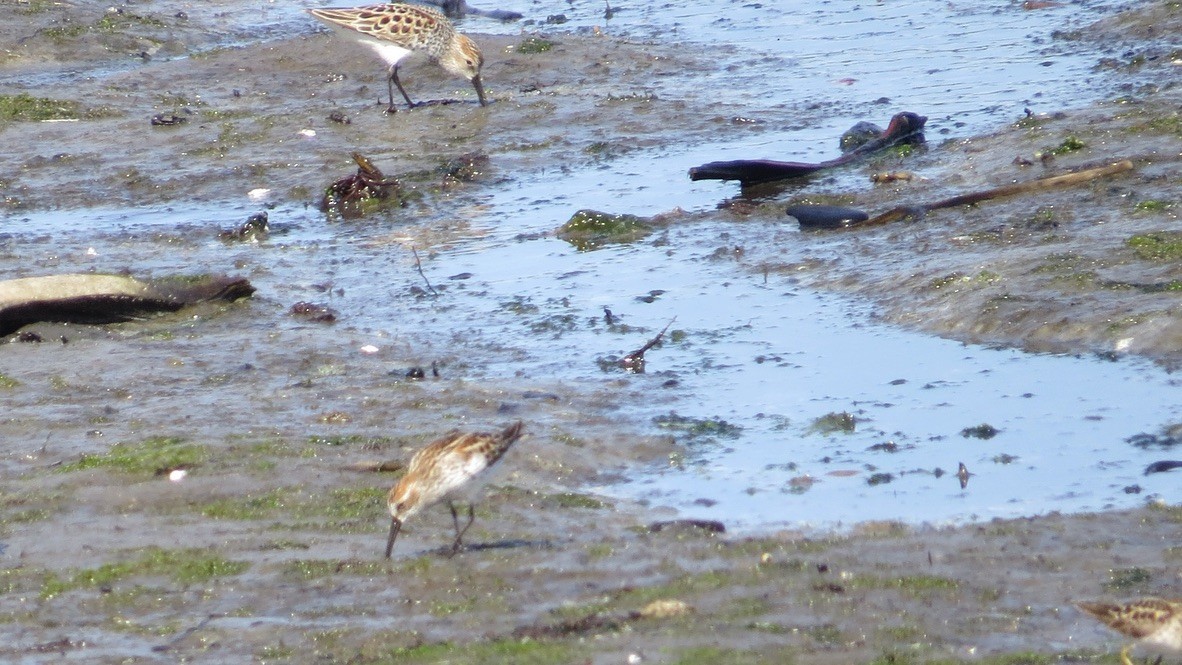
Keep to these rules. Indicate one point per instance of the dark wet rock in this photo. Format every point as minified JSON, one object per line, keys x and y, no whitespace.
{"x":340,"y":117}
{"x":465,"y":168}
{"x":254,"y":229}
{"x":29,"y":337}
{"x":367,"y":190}
{"x":879,"y":479}
{"x":315,"y":312}
{"x":1132,"y":489}
{"x":859,"y":135}
{"x":826,"y":216}
{"x":709,"y":526}
{"x":591,"y":229}
{"x":168,"y":120}
{"x":982,"y":431}
{"x":95,"y":298}
{"x":1162,"y":466}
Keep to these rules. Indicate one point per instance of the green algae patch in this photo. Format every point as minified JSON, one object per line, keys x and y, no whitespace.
{"x":8,"y":382}
{"x":1068,"y":145}
{"x":506,"y":650}
{"x":1126,"y":580}
{"x":535,"y":45}
{"x":591,"y":229}
{"x":24,"y":107}
{"x":695,"y":428}
{"x":575,"y":500}
{"x":344,"y":509}
{"x":153,"y":455}
{"x":1153,"y":205}
{"x":183,"y":566}
{"x":310,"y":569}
{"x":834,"y":423}
{"x":1157,"y":246}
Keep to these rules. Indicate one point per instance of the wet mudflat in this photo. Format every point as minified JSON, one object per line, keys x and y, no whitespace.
{"x":269,"y":547}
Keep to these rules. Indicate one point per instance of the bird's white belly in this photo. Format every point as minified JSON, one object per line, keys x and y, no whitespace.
{"x":388,"y":51}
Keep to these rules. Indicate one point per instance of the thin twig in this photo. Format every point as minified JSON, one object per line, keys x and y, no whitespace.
{"x":419,"y":267}
{"x":634,"y":362}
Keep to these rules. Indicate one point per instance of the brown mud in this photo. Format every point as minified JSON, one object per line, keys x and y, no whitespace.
{"x":269,"y":549}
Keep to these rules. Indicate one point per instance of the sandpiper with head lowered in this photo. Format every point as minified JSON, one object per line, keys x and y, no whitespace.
{"x":395,"y":30}
{"x":1155,"y":623}
{"x":443,"y":471}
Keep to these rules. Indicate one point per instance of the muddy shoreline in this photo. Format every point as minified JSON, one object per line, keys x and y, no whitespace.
{"x":269,"y":549}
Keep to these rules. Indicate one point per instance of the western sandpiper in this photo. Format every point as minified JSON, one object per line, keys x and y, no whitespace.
{"x":1154,"y":623}
{"x":443,"y":471}
{"x":395,"y":30}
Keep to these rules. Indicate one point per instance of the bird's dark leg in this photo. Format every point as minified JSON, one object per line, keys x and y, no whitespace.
{"x":390,"y":74}
{"x":455,"y":519}
{"x":395,"y":81}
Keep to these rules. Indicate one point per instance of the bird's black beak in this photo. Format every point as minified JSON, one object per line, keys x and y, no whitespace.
{"x":395,"y":527}
{"x":479,"y":89}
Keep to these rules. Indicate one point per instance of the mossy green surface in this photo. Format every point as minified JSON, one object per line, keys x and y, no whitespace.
{"x":182,"y":566}
{"x":151,"y":456}
{"x":834,"y":423}
{"x":591,"y":229}
{"x":1157,"y":246}
{"x":535,"y":45}
{"x":23,"y":107}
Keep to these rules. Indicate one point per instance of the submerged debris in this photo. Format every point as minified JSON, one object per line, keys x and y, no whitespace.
{"x":835,"y":422}
{"x":465,"y":168}
{"x":710,"y":526}
{"x":634,"y":362}
{"x":315,"y":312}
{"x":962,"y":474}
{"x":168,"y":120}
{"x":1162,"y":466}
{"x":1170,"y":437}
{"x":603,"y":622}
{"x":982,"y":431}
{"x":254,"y":229}
{"x":363,"y":192}
{"x":698,"y":427}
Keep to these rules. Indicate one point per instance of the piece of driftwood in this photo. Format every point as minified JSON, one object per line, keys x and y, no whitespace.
{"x":840,"y":217}
{"x":905,"y":127}
{"x":96,"y":298}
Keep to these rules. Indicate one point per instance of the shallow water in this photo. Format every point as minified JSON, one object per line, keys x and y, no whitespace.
{"x":760,"y":353}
